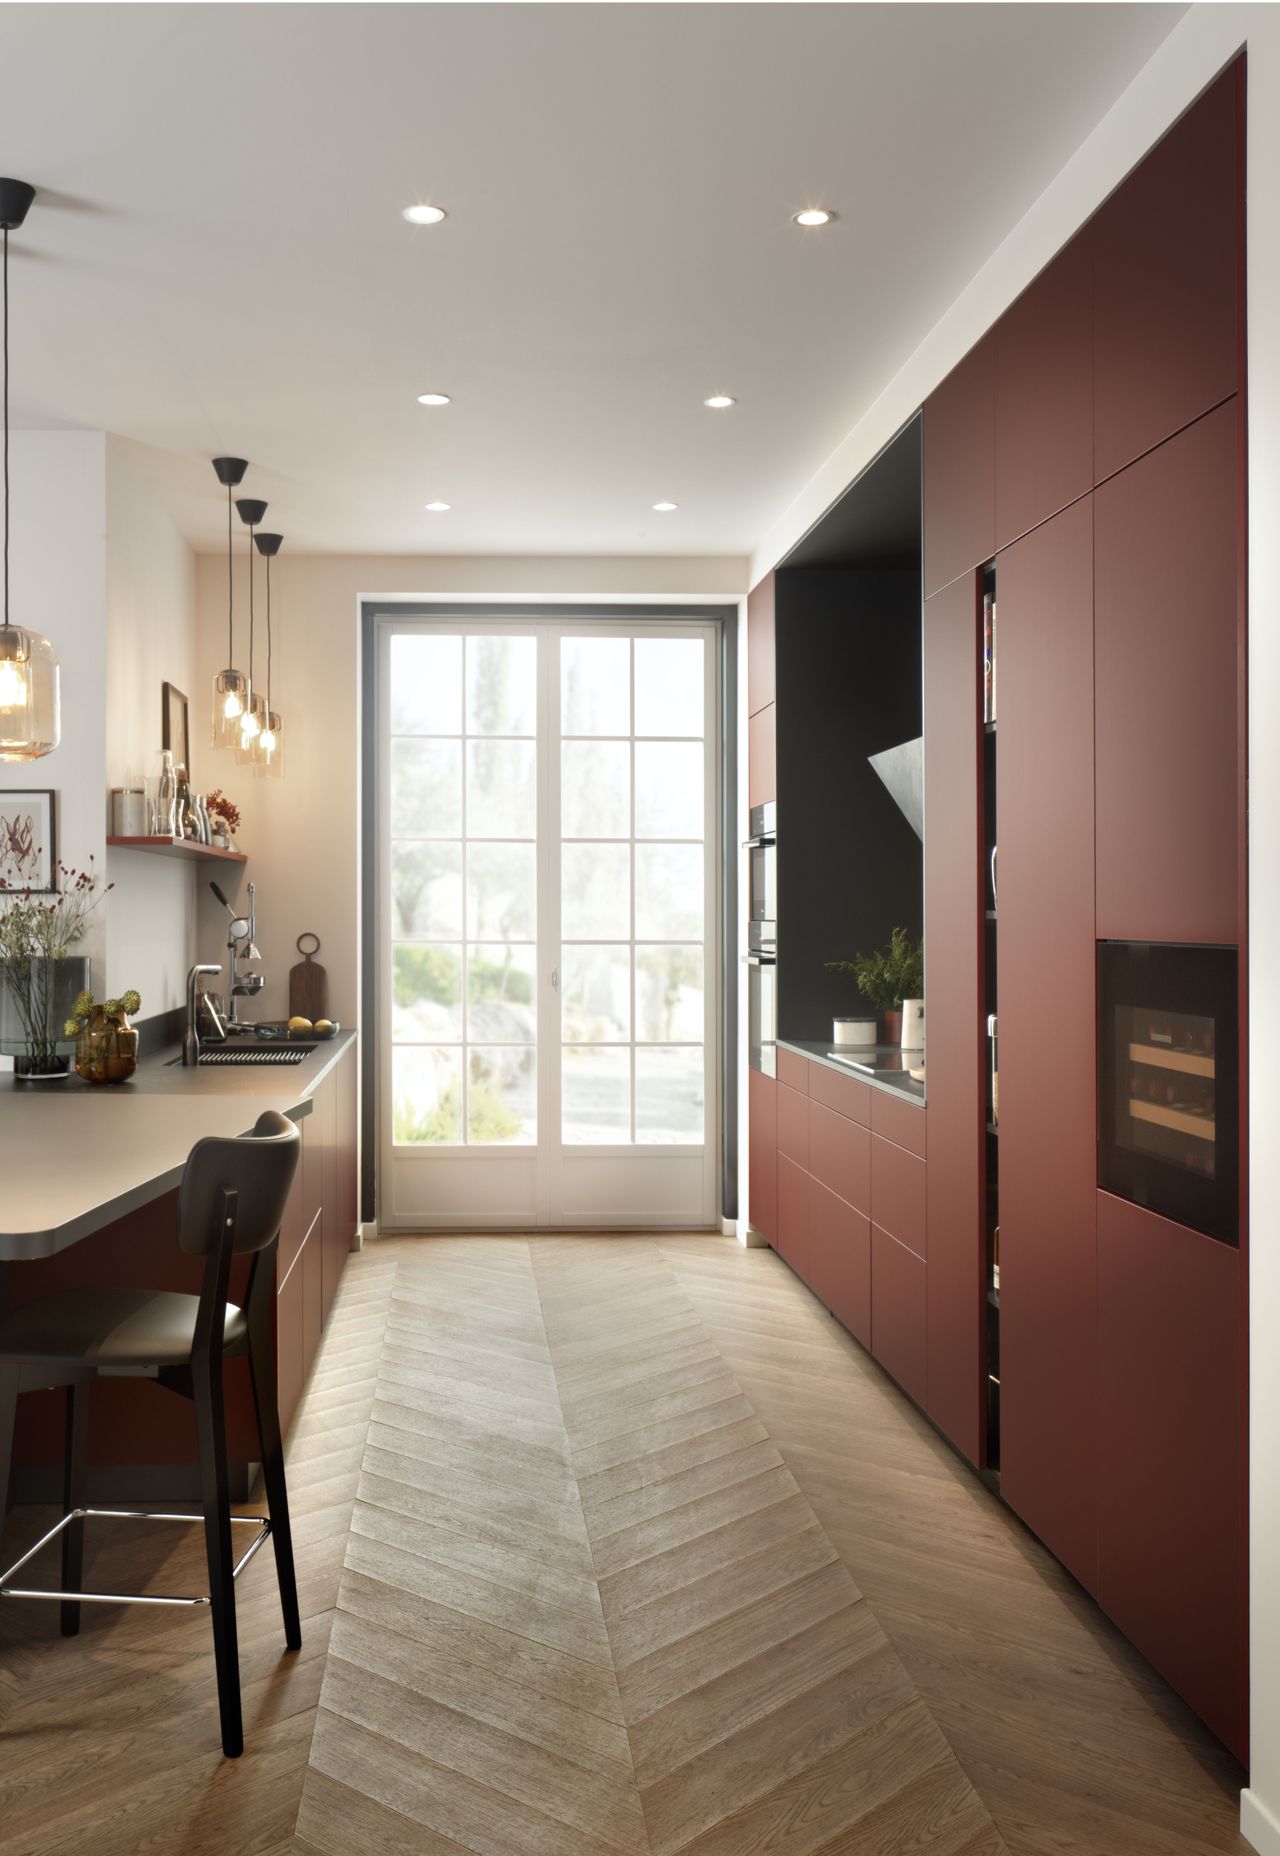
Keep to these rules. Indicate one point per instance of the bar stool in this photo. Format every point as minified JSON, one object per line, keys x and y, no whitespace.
{"x":231,"y":1204}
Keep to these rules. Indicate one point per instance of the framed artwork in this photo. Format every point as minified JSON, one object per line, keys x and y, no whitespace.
{"x":28,"y":841}
{"x":173,"y":726}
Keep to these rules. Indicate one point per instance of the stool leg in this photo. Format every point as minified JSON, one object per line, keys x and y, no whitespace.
{"x":211,"y":1427}
{"x":262,"y":1373}
{"x":10,"y":1379}
{"x":75,"y":1470}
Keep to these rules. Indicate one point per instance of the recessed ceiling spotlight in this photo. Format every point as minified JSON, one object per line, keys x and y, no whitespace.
{"x":433,"y":399}
{"x":813,"y":216}
{"x":437,"y":509}
{"x":665,"y":508}
{"x":424,"y":215}
{"x":719,"y":401}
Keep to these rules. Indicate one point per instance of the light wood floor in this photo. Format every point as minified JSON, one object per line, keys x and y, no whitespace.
{"x":609,"y":1545}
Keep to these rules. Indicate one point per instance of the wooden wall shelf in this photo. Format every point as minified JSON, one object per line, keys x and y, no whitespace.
{"x":180,"y":847}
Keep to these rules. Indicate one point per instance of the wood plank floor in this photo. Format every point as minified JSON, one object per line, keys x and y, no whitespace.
{"x":610,"y":1547}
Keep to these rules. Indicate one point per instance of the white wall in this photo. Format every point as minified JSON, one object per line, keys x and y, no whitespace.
{"x":302,"y":832}
{"x":57,"y":578}
{"x":151,"y":640}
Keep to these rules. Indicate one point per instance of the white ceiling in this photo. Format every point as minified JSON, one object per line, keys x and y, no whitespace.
{"x":216,"y":260}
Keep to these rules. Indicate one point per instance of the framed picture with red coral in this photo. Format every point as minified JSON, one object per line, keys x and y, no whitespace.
{"x":28,"y":841}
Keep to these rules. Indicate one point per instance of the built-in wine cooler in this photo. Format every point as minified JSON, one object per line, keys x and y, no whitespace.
{"x":1168,"y":1103}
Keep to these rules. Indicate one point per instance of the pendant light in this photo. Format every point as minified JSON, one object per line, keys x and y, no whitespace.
{"x":268,"y":746}
{"x":230,"y":686}
{"x":251,"y":511}
{"x":30,"y":723}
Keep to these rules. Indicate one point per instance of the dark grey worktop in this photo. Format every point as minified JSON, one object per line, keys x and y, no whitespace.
{"x":896,"y":1082}
{"x":75,"y":1156}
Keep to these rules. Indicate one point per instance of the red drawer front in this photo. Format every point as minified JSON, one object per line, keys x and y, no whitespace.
{"x":794,"y":1070}
{"x":840,"y":1155}
{"x":840,"y":1259}
{"x":898,"y":1312}
{"x":897,"y":1193}
{"x":899,"y":1121}
{"x":793,"y":1125}
{"x":793,"y":1215}
{"x":762,"y":1154}
{"x":845,"y":1094}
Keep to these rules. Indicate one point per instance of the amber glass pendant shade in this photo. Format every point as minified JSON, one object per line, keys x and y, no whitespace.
{"x":30,"y":707}
{"x":30,"y":718}
{"x":269,"y":759}
{"x":251,"y":726}
{"x":231,"y":686}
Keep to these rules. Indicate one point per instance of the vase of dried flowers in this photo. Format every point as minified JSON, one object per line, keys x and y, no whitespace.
{"x":40,"y":974}
{"x":224,"y":819}
{"x":106,"y":1043}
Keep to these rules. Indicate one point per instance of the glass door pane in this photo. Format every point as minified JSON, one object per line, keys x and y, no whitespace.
{"x":633,"y":831}
{"x":462,"y":809}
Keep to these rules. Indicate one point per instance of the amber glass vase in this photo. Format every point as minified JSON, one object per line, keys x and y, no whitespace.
{"x":106,"y":1051}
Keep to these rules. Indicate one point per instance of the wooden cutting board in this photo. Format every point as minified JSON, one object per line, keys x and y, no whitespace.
{"x":308,"y":983}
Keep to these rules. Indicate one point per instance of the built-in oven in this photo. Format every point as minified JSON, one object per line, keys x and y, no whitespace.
{"x":762,"y":939}
{"x":1168,"y":1072}
{"x":762,"y":873}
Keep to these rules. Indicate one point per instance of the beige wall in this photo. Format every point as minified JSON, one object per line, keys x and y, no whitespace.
{"x":302,"y":833}
{"x":151,"y":640}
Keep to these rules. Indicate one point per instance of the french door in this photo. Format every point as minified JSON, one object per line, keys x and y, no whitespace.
{"x":548,"y":946}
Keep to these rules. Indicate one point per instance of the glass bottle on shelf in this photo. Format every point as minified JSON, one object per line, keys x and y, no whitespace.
{"x":184,"y":823}
{"x":166,"y":825}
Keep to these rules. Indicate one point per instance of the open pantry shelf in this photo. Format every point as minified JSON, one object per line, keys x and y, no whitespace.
{"x":180,"y":847}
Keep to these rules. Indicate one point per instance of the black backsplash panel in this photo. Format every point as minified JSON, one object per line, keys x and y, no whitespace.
{"x":850,"y":867}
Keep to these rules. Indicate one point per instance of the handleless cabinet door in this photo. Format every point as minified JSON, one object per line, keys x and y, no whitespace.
{"x":959,"y":470}
{"x":760,"y":646}
{"x":1049,"y":1416}
{"x":898,"y":1312}
{"x":762,"y":1154}
{"x":1170,"y":1547}
{"x":1168,"y":268}
{"x":840,"y":1259}
{"x":793,"y":1125}
{"x":762,"y":757}
{"x":793,"y":1216}
{"x":840,"y":1155}
{"x":1166,"y":632}
{"x":956,"y":1045}
{"x":1044,"y":395}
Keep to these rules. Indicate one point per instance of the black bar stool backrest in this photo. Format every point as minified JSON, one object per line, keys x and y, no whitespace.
{"x":257,"y":1167}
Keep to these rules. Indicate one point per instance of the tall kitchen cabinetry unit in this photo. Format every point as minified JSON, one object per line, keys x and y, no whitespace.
{"x":1084,"y":462}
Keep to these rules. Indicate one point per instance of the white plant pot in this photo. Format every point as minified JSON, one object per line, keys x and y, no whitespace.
{"x":913,"y":1024}
{"x":853,"y":1031}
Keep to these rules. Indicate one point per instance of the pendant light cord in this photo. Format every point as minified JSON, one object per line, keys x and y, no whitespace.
{"x":231,"y":589}
{"x":6,"y":429}
{"x":251,"y":612}
{"x":268,"y":641}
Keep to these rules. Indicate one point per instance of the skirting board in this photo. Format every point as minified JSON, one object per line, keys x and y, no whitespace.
{"x":368,"y":1229}
{"x":1258,"y":1824}
{"x":750,"y":1238}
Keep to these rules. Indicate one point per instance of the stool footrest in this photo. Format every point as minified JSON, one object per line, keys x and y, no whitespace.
{"x":261,"y":1521}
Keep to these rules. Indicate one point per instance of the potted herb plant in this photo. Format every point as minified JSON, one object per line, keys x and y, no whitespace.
{"x":40,"y":974}
{"x":887,"y":979}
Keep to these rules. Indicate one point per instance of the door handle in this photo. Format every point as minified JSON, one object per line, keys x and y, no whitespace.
{"x":555,"y":979}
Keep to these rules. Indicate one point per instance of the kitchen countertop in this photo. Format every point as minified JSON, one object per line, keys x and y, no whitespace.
{"x":895,"y":1083}
{"x":75,"y":1156}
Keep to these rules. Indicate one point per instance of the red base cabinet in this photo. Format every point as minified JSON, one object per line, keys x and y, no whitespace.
{"x":1049,"y":1413}
{"x":840,"y":1259}
{"x":898,"y":1312}
{"x":1170,"y":1545}
{"x":762,"y":1154}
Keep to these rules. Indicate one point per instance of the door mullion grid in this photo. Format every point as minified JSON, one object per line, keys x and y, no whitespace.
{"x":465,"y":963}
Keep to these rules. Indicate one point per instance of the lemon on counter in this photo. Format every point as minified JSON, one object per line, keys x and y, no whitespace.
{"x":323,"y":1024}
{"x":298,"y":1025}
